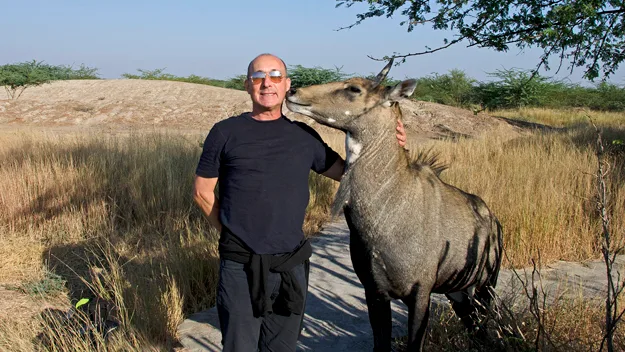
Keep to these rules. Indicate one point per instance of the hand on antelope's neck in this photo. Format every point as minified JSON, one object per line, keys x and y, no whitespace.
{"x":401,"y":134}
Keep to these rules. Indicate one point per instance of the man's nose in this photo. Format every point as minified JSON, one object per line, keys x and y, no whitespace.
{"x":266,"y":81}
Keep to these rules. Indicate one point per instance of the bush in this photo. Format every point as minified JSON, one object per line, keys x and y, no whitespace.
{"x":307,"y":76}
{"x":514,"y":89}
{"x":159,"y":74}
{"x":454,"y":88}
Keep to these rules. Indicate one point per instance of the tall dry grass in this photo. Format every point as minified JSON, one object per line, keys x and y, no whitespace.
{"x":119,"y":205}
{"x":568,"y":325}
{"x":541,"y":187}
{"x":562,"y":117}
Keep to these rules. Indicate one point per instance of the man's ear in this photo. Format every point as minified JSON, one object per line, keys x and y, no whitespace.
{"x":401,"y":90}
{"x":288,"y":84}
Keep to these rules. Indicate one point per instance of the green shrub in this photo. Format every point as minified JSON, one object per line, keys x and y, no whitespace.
{"x":454,"y":88}
{"x":51,"y":284}
{"x":159,"y":74}
{"x":307,"y":76}
{"x":514,"y":89}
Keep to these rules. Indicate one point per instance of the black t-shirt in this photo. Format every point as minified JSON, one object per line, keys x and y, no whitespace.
{"x":263,"y":169}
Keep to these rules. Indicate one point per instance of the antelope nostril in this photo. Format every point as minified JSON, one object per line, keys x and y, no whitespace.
{"x":292,"y":91}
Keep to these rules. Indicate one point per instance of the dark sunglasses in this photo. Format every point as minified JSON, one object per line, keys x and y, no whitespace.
{"x":275,"y":76}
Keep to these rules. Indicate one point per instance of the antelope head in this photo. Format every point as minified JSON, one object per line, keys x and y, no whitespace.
{"x":340,"y":104}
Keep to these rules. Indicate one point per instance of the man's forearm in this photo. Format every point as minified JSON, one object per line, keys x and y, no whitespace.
{"x":335,"y":171}
{"x":210,"y":207}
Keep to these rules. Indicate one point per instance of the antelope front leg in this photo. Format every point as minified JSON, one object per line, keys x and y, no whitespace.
{"x":381,"y":321}
{"x":418,"y":314}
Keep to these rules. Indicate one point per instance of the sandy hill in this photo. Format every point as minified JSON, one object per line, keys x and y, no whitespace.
{"x":121,"y":103}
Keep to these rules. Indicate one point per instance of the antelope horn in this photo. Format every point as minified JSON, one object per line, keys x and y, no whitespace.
{"x":382,"y":75}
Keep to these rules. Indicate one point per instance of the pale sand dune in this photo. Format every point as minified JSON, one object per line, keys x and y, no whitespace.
{"x":140,"y":104}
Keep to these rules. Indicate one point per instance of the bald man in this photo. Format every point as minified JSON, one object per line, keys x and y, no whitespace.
{"x":262,"y":161}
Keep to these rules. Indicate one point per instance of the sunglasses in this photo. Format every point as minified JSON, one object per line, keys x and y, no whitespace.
{"x":275,"y":76}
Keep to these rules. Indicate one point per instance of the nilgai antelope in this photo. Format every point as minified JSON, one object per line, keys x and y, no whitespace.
{"x":411,"y":234}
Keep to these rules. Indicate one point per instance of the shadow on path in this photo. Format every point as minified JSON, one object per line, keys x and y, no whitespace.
{"x":336,"y":312}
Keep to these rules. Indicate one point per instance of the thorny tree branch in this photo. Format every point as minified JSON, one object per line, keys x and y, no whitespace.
{"x":537,"y":301}
{"x":614,"y":289}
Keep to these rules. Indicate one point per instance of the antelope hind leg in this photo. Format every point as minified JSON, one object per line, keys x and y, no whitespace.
{"x":470,"y":310}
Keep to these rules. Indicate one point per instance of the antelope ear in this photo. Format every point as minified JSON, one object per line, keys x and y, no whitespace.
{"x":401,"y":90}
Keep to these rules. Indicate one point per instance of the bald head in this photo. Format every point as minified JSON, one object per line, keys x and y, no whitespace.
{"x":250,"y":67}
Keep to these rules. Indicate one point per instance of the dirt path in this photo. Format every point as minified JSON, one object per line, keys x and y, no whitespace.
{"x":336,"y":313}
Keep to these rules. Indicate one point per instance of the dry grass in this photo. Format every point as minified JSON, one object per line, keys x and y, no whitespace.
{"x":120,"y":206}
{"x":568,"y":325}
{"x":562,"y":118}
{"x":542,"y":189}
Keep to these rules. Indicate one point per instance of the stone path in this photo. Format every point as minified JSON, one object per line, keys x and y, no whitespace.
{"x":336,"y":313}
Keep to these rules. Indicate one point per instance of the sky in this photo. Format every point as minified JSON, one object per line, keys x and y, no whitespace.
{"x":217,"y":39}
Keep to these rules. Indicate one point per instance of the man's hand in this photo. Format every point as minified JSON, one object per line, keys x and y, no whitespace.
{"x":401,"y":134}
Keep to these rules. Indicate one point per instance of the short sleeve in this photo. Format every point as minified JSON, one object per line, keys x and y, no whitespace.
{"x":210,"y":160}
{"x":324,"y":157}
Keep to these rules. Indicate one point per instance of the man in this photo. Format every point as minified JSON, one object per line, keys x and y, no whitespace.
{"x":262,"y":161}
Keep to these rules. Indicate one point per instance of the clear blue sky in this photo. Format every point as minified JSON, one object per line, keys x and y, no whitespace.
{"x":218,"y":38}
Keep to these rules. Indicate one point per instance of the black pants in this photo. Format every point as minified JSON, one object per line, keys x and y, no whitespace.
{"x":241,"y":331}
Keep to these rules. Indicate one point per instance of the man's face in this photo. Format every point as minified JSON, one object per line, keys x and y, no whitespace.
{"x":267,"y":94}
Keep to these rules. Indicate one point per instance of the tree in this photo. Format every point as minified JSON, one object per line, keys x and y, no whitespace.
{"x":17,"y":77}
{"x":588,"y":33}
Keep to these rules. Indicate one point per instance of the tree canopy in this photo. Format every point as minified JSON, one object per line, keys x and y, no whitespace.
{"x":17,"y":77}
{"x":580,"y":33}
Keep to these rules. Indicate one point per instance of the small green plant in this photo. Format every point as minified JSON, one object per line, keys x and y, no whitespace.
{"x":51,"y":284}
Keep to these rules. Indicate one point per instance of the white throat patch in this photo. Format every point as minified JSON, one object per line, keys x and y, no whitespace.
{"x":352,"y":149}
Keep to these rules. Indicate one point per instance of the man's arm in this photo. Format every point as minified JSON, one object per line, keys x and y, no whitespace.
{"x":335,"y":171}
{"x":204,"y":197}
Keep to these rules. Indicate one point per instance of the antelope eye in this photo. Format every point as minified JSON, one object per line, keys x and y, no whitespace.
{"x":353,"y":89}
